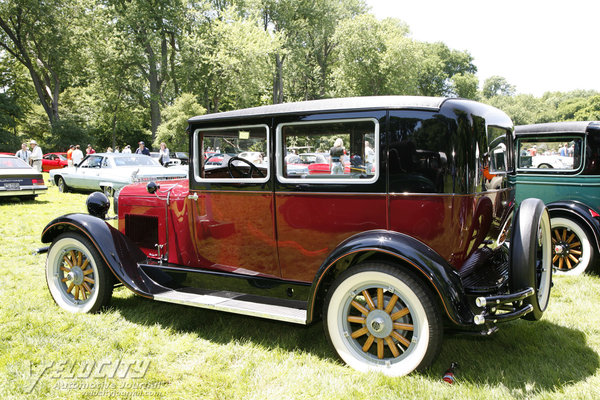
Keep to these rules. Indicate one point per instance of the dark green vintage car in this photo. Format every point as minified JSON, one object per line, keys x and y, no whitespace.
{"x":560,"y":164}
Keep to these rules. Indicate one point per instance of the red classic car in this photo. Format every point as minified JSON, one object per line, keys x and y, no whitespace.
{"x":387,"y":258}
{"x":54,"y":161}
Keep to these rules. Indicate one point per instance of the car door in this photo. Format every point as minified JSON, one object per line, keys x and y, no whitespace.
{"x":232,"y":203}
{"x":315,"y":212}
{"x":87,"y":175}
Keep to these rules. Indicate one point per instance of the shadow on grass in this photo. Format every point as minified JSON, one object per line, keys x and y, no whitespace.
{"x":222,"y":327}
{"x":522,"y":354}
{"x":21,"y":199}
{"x":539,"y":355}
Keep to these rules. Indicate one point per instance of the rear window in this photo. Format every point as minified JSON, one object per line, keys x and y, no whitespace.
{"x":549,"y":155}
{"x":13,"y":163}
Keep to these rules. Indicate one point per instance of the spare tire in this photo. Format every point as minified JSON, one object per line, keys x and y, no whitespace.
{"x":531,"y":255}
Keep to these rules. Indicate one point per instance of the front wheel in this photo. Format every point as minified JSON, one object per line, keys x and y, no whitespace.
{"x":77,"y":276}
{"x":573,"y":248}
{"x":531,"y":255}
{"x":62,"y":186}
{"x":379,"y":318}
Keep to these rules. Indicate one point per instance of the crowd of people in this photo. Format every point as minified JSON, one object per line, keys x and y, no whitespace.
{"x":34,"y":156}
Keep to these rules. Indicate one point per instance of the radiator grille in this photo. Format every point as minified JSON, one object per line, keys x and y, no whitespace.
{"x":142,"y":230}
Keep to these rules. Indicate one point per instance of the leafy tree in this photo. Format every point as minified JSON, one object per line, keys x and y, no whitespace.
{"x":9,"y":113}
{"x":497,"y":86}
{"x":375,"y":58}
{"x":173,"y":130}
{"x":465,"y":85}
{"x":153,"y":27}
{"x":439,"y":65}
{"x":227,"y":62}
{"x":43,"y":37}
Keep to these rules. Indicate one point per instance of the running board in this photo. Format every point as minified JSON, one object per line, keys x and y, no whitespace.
{"x":227,"y":302}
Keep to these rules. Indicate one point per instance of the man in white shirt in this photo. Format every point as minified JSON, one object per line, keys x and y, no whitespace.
{"x":24,"y":153}
{"x":35,"y":159}
{"x":77,"y":156}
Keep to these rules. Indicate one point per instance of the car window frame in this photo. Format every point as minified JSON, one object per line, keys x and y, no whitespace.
{"x":200,"y":155}
{"x":550,"y":171}
{"x":280,"y":158}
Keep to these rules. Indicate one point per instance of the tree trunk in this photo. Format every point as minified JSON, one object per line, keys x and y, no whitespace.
{"x":278,"y":80}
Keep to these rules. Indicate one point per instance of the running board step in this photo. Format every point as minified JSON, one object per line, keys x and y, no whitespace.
{"x":230,"y":302}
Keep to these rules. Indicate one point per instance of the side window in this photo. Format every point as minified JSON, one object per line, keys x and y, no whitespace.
{"x":498,"y":152}
{"x":239,"y":153}
{"x":326,"y":151}
{"x":549,"y":154}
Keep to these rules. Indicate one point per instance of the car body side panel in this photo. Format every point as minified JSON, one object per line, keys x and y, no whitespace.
{"x":455,"y":226}
{"x":410,"y":254}
{"x":312,"y":225}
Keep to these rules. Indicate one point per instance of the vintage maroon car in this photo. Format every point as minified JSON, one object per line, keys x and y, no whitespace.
{"x":387,"y":258}
{"x":54,"y":161}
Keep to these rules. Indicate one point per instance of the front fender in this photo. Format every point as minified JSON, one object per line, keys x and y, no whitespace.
{"x":409,"y":252}
{"x":580,"y":212}
{"x":120,"y":254}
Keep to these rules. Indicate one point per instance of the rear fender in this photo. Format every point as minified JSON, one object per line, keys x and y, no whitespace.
{"x":579,"y":212}
{"x":401,"y":250}
{"x":118,"y":251}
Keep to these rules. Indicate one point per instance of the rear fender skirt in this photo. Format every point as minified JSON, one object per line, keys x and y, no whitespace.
{"x":406,"y":251}
{"x":118,"y":251}
{"x":579,"y":212}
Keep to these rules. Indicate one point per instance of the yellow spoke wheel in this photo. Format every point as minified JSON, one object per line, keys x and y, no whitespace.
{"x":380,"y":318}
{"x":77,"y":276}
{"x":572,"y":247}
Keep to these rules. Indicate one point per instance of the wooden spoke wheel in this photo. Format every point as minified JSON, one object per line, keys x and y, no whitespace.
{"x":379,"y":318}
{"x":77,"y":277}
{"x":572,"y":251}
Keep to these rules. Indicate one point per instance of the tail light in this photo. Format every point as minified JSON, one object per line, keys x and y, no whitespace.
{"x":594,"y":213}
{"x":38,"y":182}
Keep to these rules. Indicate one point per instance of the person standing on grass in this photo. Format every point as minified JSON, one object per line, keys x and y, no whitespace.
{"x":70,"y":155}
{"x":24,"y":153}
{"x":127,"y":149}
{"x":77,"y":155}
{"x":35,"y":159}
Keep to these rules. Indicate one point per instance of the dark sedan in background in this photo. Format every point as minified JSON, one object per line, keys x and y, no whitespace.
{"x":19,"y":179}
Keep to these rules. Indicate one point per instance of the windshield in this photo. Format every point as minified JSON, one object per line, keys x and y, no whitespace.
{"x":10,"y":162}
{"x":135,"y":161}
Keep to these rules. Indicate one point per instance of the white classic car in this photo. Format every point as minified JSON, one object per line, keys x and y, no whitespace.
{"x":110,"y":172}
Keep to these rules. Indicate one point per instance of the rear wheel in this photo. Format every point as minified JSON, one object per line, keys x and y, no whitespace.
{"x":77,"y":276}
{"x":573,"y":251}
{"x":531,"y":255}
{"x":379,"y":318}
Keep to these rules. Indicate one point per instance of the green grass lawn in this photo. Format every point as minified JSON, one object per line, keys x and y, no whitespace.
{"x":141,"y":348}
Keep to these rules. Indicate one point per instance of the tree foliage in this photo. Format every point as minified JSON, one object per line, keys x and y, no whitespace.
{"x":113,"y":72}
{"x":173,"y":131}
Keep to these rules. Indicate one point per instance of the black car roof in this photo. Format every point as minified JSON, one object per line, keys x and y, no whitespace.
{"x":331,"y":105}
{"x":557,"y":127}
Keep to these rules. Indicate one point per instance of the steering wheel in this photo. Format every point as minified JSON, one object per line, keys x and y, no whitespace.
{"x":231,"y":168}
